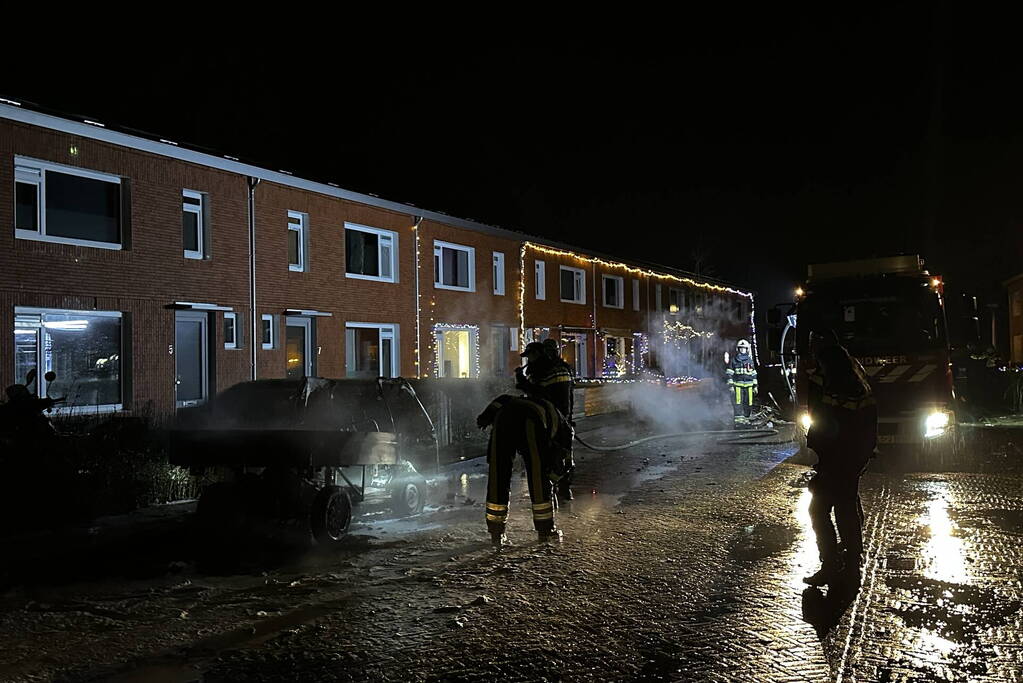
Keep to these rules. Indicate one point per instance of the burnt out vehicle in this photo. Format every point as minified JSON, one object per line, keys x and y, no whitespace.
{"x":302,"y":450}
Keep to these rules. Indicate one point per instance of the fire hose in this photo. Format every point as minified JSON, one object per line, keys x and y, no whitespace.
{"x":743,"y":437}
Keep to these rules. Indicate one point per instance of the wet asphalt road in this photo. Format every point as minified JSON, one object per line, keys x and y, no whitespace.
{"x":682,"y":561}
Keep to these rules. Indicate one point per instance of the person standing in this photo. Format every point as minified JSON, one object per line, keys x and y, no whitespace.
{"x":527,"y":426}
{"x":742,"y":382}
{"x":546,"y":376}
{"x":843,"y":434}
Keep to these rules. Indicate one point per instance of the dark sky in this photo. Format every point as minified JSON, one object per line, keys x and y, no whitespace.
{"x":749,"y":144}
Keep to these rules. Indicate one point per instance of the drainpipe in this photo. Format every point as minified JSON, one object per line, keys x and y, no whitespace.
{"x":593,"y":353}
{"x":419,"y":356}
{"x":252,"y":182}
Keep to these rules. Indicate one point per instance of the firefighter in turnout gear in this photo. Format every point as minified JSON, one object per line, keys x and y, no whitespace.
{"x":528,"y":426}
{"x":742,"y":383}
{"x":546,"y":376}
{"x":843,"y":434}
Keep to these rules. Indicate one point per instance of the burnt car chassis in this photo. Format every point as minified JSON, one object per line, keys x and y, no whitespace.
{"x":286,"y":450}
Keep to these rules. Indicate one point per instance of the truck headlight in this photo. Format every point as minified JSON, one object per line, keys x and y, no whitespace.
{"x":935,"y":424}
{"x":805,"y":420}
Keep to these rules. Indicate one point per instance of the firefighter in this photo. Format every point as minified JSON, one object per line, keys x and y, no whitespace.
{"x":527,"y":426}
{"x":843,"y":434}
{"x":546,"y":376}
{"x":742,"y":383}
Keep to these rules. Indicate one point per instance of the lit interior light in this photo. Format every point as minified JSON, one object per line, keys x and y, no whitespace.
{"x":935,"y":424}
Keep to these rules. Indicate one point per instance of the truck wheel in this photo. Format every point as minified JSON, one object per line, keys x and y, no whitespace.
{"x":331,"y":514}
{"x":408,"y":496}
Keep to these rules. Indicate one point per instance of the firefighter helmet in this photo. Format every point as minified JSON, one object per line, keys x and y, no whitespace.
{"x":743,"y":345}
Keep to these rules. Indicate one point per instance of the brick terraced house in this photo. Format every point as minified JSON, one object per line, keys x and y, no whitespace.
{"x":149,"y":275}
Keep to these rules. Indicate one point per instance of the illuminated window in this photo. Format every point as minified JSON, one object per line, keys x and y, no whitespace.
{"x":573,"y":285}
{"x":55,"y":203}
{"x":541,"y":280}
{"x":675,"y":301}
{"x":82,"y":347}
{"x":370,"y":253}
{"x":454,"y":266}
{"x":457,"y":352}
{"x":296,"y":240}
{"x":614,"y":294}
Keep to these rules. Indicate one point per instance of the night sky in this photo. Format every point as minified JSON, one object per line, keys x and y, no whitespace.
{"x":742,"y":145}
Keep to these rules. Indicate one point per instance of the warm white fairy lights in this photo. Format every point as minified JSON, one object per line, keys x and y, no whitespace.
{"x":633,"y":270}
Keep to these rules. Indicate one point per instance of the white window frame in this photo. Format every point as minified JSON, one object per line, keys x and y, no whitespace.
{"x":474,"y":349}
{"x":300,"y":228}
{"x":41,"y":366}
{"x":499,"y":273}
{"x":387,"y":331}
{"x":579,"y":279}
{"x":273,"y":331}
{"x":438,"y":265}
{"x":635,"y":295}
{"x":233,"y":344}
{"x":200,"y":212}
{"x":619,"y":290}
{"x":540,"y":280}
{"x":381,"y":234}
{"x":33,"y":172}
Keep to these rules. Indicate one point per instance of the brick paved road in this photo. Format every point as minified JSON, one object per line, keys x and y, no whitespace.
{"x":682,"y":562}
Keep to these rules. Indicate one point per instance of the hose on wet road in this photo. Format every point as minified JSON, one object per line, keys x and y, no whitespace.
{"x":741,"y":437}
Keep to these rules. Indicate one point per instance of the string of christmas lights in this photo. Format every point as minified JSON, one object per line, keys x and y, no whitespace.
{"x":474,"y":336}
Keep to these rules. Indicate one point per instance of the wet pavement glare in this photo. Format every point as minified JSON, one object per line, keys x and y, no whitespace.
{"x":683,"y":560}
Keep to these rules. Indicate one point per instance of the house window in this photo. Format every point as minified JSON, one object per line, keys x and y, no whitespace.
{"x":370,"y":253}
{"x":616,"y":356}
{"x":498,"y":273}
{"x":83,"y":348}
{"x":56,"y":203}
{"x":500,"y":345}
{"x":613,"y":291}
{"x":231,"y":330}
{"x":371,"y":350}
{"x":541,"y":280}
{"x":269,"y":332}
{"x":296,"y":240}
{"x":193,"y":223}
{"x":454,"y":266}
{"x":674,"y":300}
{"x":635,"y":295}
{"x":457,"y":352}
{"x":657,"y":297}
{"x":573,"y":285}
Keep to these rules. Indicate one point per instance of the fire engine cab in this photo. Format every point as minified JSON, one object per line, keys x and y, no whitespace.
{"x":889,"y":313}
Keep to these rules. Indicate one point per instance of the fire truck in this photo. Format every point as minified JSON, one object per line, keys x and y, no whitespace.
{"x":889,"y":313}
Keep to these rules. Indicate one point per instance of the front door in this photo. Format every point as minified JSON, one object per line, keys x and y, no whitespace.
{"x":298,"y":347}
{"x":191,"y":358}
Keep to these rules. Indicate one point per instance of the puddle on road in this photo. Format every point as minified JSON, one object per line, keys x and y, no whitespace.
{"x":761,"y":541}
{"x":942,"y":611}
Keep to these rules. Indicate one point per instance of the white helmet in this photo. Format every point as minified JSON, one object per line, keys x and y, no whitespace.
{"x":742,"y":345}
